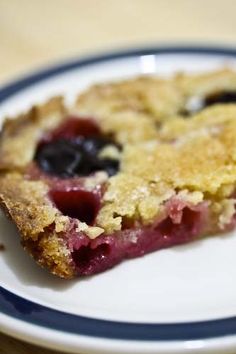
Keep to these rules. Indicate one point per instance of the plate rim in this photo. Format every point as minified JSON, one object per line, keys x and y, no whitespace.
{"x":17,"y":307}
{"x":10,"y":88}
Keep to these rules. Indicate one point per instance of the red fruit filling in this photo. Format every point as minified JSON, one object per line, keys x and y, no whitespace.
{"x":77,"y":203}
{"x":182,"y":224}
{"x":72,"y":128}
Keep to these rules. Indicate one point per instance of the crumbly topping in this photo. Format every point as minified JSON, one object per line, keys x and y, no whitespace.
{"x":39,"y":223}
{"x":201,"y":164}
{"x":208,"y":122}
{"x":128,"y":196}
{"x":199,"y":85}
{"x":128,"y":127}
{"x":61,"y":223}
{"x":227,"y":213}
{"x":27,"y":204}
{"x":152,"y":172}
{"x":96,"y":180}
{"x":20,"y":136}
{"x":157,"y":98}
{"x":110,"y":152}
{"x":51,"y":251}
{"x":91,"y":231}
{"x":193,"y":198}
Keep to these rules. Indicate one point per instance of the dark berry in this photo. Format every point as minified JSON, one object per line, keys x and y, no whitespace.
{"x":79,"y":156}
{"x":220,"y":97}
{"x":110,"y":166}
{"x":59,"y":157}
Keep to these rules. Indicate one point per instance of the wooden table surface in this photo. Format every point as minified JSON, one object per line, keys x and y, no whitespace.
{"x":35,"y":33}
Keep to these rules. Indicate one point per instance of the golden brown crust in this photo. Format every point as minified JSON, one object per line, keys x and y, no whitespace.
{"x":156,"y":98}
{"x":19,"y":136}
{"x":201,"y":161}
{"x":51,"y":252}
{"x":206,"y":83}
{"x":27,"y":204}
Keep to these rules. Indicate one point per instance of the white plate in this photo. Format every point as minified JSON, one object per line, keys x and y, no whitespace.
{"x":177,"y":300}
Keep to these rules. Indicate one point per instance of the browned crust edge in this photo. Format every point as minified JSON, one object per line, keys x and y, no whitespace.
{"x":27,"y":205}
{"x":20,"y":135}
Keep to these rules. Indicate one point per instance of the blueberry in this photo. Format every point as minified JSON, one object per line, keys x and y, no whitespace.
{"x":59,"y":158}
{"x":79,"y":156}
{"x":220,"y":97}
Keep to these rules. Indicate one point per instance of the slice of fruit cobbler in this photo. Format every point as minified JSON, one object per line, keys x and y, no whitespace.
{"x":86,"y":192}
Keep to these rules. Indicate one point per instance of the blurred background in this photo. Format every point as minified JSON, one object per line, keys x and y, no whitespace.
{"x":37,"y":32}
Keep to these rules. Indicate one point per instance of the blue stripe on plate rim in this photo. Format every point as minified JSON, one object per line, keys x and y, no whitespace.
{"x":27,"y":311}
